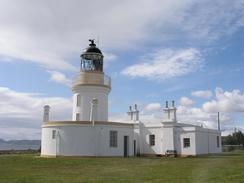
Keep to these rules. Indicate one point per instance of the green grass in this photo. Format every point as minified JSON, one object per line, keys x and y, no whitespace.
{"x":228,"y":167}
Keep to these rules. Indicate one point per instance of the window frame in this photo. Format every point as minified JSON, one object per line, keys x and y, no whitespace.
{"x":152,"y":140}
{"x":54,"y":134}
{"x":113,"y":138}
{"x":186,"y":142}
{"x":78,"y":100}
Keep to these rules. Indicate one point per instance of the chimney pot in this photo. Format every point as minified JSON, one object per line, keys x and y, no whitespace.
{"x":166,"y":104}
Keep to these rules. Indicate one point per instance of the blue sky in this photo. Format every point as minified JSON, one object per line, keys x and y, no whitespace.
{"x":188,"y":51}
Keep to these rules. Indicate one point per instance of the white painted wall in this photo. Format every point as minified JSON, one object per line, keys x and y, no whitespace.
{"x":206,"y":141}
{"x":188,"y":150}
{"x":137,"y":138}
{"x":87,"y":93}
{"x":85,"y":140}
{"x":170,"y":137}
{"x":146,"y":148}
{"x":169,"y":114}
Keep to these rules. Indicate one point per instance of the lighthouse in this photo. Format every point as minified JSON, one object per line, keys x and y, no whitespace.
{"x":91,"y":87}
{"x":89,"y":133}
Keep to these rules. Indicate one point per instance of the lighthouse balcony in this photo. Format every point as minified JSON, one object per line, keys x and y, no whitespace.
{"x":91,"y":78}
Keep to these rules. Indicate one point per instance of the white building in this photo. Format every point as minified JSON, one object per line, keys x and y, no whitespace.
{"x":91,"y":134}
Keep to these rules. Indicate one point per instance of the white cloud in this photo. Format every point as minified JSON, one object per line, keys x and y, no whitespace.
{"x":118,"y":117}
{"x":166,"y":63}
{"x":207,"y":114}
{"x":202,"y":93}
{"x":109,"y":58}
{"x":51,"y":33}
{"x":197,"y":116}
{"x":59,"y":78}
{"x":30,"y":105}
{"x":153,"y":107}
{"x":226,"y":101}
{"x":186,"y":101}
{"x":203,"y":23}
{"x":25,"y":111}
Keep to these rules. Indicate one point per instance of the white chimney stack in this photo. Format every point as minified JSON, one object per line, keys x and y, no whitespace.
{"x":133,"y":114}
{"x":170,"y":112}
{"x":137,"y":113}
{"x":130,"y":113}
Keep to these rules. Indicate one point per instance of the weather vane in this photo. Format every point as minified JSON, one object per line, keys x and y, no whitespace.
{"x":92,"y":42}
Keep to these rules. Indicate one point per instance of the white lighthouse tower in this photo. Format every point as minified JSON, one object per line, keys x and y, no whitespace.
{"x":91,"y":87}
{"x":89,"y":133}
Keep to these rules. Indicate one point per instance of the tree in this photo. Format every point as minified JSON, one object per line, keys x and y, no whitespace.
{"x":236,"y":138}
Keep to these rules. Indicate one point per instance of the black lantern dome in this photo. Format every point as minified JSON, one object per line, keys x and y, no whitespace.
{"x":92,"y":58}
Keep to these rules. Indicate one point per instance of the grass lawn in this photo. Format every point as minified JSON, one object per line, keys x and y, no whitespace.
{"x":228,"y":167}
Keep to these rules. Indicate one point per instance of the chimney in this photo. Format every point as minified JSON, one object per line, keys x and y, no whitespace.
{"x":166,"y":104}
{"x":136,"y":112}
{"x":130,"y":113}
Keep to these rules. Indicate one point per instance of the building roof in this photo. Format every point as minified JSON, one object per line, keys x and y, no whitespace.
{"x":71,"y":123}
{"x":92,"y":48}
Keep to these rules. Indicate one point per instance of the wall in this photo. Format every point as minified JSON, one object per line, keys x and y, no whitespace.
{"x":85,"y":140}
{"x":146,"y":148}
{"x":87,"y":93}
{"x":137,"y":138}
{"x":188,"y":150}
{"x":206,"y":141}
{"x":168,"y":139}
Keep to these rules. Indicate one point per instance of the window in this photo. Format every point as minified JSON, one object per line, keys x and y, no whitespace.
{"x":217,"y":141}
{"x":54,"y":134}
{"x":78,"y":100}
{"x":77,"y":117}
{"x":186,"y":142}
{"x":113,"y":138}
{"x":152,"y":140}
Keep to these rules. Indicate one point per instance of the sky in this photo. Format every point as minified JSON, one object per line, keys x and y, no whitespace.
{"x":188,"y":51}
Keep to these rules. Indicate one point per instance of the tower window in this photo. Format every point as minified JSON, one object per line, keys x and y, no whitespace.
{"x":152,"y":140}
{"x":113,"y":142}
{"x":186,"y":142}
{"x":78,"y":100}
{"x":53,"y":134}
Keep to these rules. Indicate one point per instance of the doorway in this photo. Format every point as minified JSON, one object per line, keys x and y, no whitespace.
{"x":134,"y":147}
{"x":126,"y":146}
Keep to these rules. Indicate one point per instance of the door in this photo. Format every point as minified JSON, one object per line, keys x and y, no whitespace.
{"x":57,"y":138}
{"x":126,"y":146}
{"x":134,"y":147}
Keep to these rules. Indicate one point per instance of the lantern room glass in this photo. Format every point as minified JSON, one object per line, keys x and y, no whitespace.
{"x":91,"y":62}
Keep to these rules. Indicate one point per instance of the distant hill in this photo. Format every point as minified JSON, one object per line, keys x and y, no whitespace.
{"x":19,"y":144}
